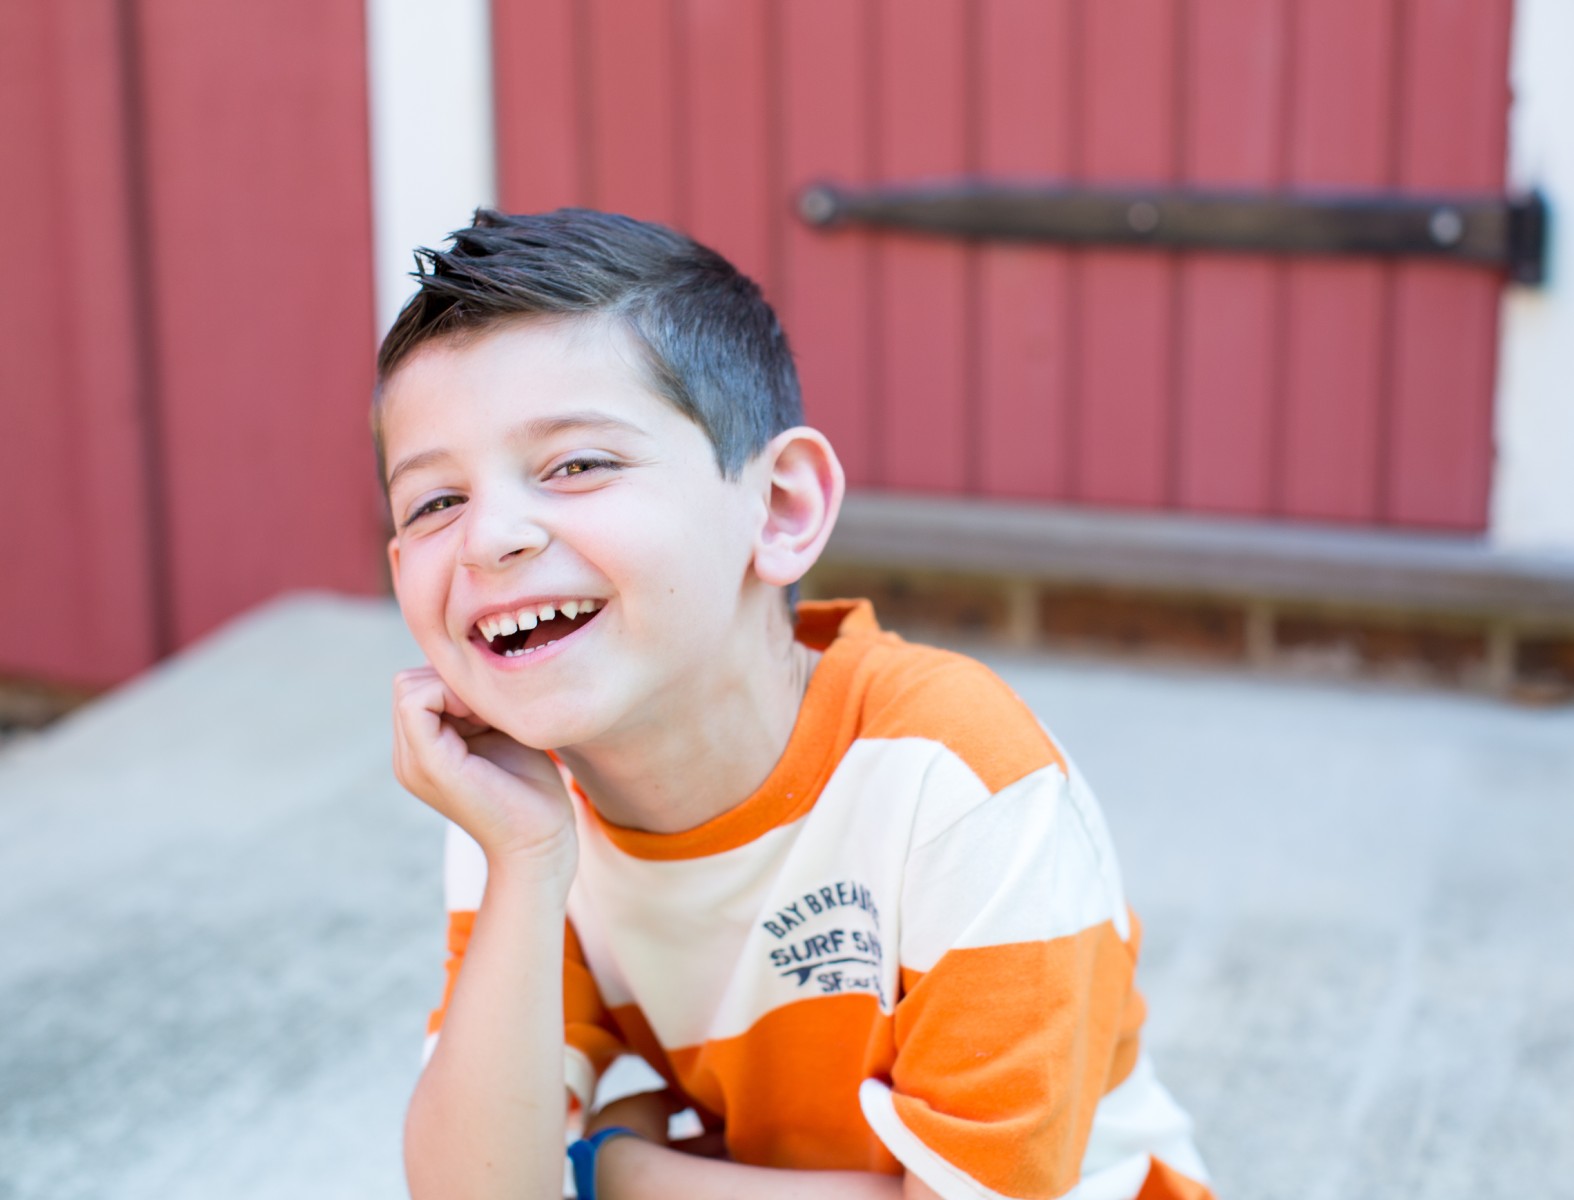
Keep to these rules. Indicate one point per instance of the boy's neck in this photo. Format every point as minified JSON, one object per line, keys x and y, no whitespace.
{"x":703,"y":757}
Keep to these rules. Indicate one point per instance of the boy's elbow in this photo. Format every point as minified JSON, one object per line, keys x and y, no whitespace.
{"x":445,"y":1160}
{"x":423,"y":1159}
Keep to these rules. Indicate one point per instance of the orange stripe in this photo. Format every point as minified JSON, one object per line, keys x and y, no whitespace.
{"x":1042,"y":1036}
{"x":637,"y":1035}
{"x":1164,"y":1182}
{"x":787,"y":1088}
{"x":867,"y":684}
{"x":460,"y":924}
{"x":790,"y":1085}
{"x":1128,"y":1042}
{"x":820,"y":622}
{"x":587,"y":1026}
{"x":1128,"y":1046}
{"x":947,"y":698}
{"x":1050,"y":1027}
{"x":818,"y":741}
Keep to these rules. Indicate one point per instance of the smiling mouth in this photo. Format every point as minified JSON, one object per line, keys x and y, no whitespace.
{"x":512,"y":635}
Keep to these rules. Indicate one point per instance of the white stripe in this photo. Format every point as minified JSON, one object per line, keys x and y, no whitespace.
{"x":689,"y":938}
{"x":649,"y":927}
{"x":464,"y":870}
{"x":1137,"y":1119}
{"x":579,"y":1077}
{"x":1091,"y":816}
{"x":627,"y":1075}
{"x":430,"y":73}
{"x":1024,"y":867}
{"x":951,"y":790}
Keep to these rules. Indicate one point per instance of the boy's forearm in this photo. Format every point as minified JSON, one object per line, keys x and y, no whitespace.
{"x":487,"y":1115}
{"x":634,"y":1170}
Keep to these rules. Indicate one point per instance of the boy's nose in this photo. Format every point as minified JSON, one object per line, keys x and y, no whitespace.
{"x":497,"y":537}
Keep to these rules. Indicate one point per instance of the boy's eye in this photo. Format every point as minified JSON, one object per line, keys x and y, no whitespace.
{"x":436,"y":504}
{"x":584,"y":466}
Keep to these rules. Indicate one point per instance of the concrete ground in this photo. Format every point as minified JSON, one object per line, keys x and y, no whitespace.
{"x":222,"y":923}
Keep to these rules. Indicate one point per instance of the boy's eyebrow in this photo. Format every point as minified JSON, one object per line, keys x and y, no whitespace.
{"x":533,"y":430}
{"x":545,"y":427}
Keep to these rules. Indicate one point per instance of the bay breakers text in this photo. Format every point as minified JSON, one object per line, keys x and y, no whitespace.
{"x":830,"y":935}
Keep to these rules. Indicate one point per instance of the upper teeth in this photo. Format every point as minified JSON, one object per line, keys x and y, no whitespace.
{"x":527,"y":618}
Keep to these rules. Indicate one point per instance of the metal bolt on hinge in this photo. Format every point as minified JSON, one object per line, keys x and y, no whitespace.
{"x":1447,"y":226}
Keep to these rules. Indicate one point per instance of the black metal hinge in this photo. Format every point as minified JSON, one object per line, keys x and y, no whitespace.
{"x":1508,"y":232}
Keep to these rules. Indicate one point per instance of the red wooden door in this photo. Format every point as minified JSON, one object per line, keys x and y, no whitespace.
{"x":185,"y":342}
{"x":255,"y":149}
{"x":186,"y":336}
{"x":1356,"y":391}
{"x":78,"y":583}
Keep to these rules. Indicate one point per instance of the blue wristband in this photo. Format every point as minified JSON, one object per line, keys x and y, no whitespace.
{"x":582,"y":1157}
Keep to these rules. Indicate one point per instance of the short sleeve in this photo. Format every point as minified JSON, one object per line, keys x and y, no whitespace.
{"x":591,"y":1042}
{"x":1018,"y":1012}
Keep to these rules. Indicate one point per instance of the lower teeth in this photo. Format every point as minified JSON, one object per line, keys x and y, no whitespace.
{"x":527,"y":649}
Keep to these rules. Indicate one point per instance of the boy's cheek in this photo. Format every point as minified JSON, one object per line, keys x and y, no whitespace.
{"x":393,"y":562}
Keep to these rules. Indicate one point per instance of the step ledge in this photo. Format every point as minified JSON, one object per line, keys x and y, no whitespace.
{"x":1207,"y":555}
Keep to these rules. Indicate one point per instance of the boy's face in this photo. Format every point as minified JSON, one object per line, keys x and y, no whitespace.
{"x":532,"y":469}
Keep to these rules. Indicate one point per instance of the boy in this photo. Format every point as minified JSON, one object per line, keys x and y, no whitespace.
{"x":842,"y":893}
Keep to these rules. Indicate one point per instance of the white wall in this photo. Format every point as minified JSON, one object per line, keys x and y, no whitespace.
{"x":1533,"y":486}
{"x":431,"y":113}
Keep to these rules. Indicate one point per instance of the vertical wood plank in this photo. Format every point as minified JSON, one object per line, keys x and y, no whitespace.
{"x":1127,"y":301}
{"x":105,"y":353}
{"x":924,"y":300}
{"x":1229,"y":316}
{"x":1026,"y":76}
{"x":730,"y":136}
{"x":1445,"y":317}
{"x":636,"y":117}
{"x":35,"y":430}
{"x":76,"y":594}
{"x":260,"y":228}
{"x":827,"y":295}
{"x":536,"y":76}
{"x":1341,"y":136}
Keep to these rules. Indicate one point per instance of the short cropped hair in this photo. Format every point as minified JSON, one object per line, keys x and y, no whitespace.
{"x":710,"y":343}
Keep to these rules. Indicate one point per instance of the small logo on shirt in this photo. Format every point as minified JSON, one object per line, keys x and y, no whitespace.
{"x":846,"y":957}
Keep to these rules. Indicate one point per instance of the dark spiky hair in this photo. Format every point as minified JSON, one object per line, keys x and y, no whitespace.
{"x":710,"y":343}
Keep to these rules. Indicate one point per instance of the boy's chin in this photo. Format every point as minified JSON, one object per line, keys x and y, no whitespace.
{"x":532,"y":735}
{"x":559,"y":732}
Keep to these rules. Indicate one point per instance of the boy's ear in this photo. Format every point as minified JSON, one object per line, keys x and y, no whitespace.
{"x":804,"y":486}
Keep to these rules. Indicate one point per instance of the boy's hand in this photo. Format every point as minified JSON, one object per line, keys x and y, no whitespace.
{"x":508,"y":797}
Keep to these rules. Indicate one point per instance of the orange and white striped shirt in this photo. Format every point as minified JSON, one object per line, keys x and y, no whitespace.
{"x":909,"y":949}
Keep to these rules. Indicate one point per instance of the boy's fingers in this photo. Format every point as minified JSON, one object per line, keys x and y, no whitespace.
{"x":421,"y":699}
{"x":426,"y":686}
{"x":522,"y":762}
{"x":422,"y":691}
{"x":507,"y":796}
{"x":465,"y":727}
